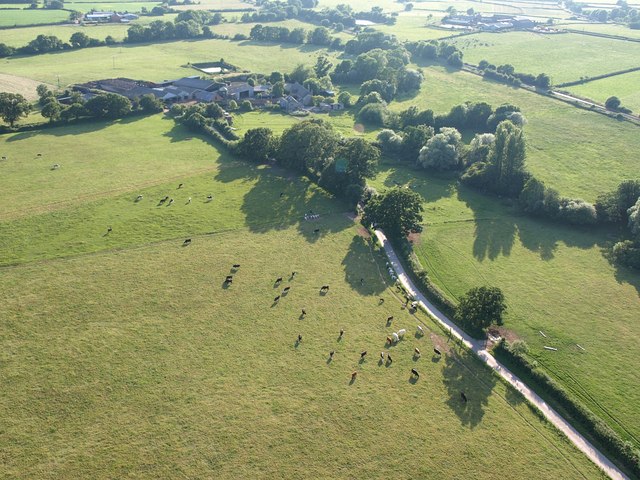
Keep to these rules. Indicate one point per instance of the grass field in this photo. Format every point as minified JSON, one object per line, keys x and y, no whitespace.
{"x":578,"y":152}
{"x":130,"y":7}
{"x":625,"y":87}
{"x":413,"y":26}
{"x":607,"y":28}
{"x":24,"y":86}
{"x":157,"y":62}
{"x":231,"y":29}
{"x":10,"y":18}
{"x":565,"y":57}
{"x":135,"y":361}
{"x":555,"y":279}
{"x":18,"y":37}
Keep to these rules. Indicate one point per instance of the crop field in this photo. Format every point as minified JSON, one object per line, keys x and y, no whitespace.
{"x":136,"y":361}
{"x":606,"y":28}
{"x":625,"y":87}
{"x":24,"y":86}
{"x":10,"y":18}
{"x":157,"y":62}
{"x":564,"y":57}
{"x":413,"y":27}
{"x":555,"y":280}
{"x":18,"y":37}
{"x":130,"y":7}
{"x":580,"y":153}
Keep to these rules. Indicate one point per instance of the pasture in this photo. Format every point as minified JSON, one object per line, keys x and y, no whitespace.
{"x":555,"y":280}
{"x":159,"y":61}
{"x":606,"y":28}
{"x":124,"y":7}
{"x":17,"y":17}
{"x":231,"y":29}
{"x":414,"y":26}
{"x":137,"y":361}
{"x":625,"y":87}
{"x":580,"y":153}
{"x":18,"y":37}
{"x":564,"y":57}
{"x":24,"y":86}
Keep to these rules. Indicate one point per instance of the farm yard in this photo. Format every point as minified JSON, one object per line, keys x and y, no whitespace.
{"x":188,"y":290}
{"x":189,"y":357}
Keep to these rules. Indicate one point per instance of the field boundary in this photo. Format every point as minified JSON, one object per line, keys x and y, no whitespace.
{"x":597,"y":77}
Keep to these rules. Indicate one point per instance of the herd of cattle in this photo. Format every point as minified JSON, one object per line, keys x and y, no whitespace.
{"x":385,"y":357}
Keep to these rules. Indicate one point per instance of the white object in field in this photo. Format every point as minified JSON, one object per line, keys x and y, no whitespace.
{"x":581,"y":347}
{"x":550,"y":348}
{"x":542,"y":333}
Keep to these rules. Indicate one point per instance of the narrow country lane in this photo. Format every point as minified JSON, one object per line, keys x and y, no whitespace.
{"x":478,"y":347}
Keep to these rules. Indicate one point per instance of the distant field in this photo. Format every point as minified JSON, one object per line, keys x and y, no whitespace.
{"x":24,"y":86}
{"x":245,"y":28}
{"x":157,"y":62}
{"x":10,"y":18}
{"x":216,"y":5}
{"x":625,"y":87}
{"x":18,"y":37}
{"x":555,"y":280}
{"x":564,"y":57}
{"x":130,"y":7}
{"x":578,"y":152}
{"x":412,"y":27}
{"x":135,"y":361}
{"x":608,"y":28}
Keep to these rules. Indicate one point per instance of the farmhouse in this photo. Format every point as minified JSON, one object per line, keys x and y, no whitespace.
{"x":298,"y":92}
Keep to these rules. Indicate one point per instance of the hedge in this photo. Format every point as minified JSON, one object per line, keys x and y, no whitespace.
{"x":617,"y":449}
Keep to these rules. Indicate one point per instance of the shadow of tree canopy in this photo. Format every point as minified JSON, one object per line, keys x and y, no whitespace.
{"x":431,"y":187}
{"x":360,"y":264}
{"x":458,"y":378}
{"x":85,"y":125}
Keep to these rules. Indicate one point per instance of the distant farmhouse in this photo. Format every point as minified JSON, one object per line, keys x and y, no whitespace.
{"x":490,"y":23}
{"x":196,"y":89}
{"x":109,"y":17}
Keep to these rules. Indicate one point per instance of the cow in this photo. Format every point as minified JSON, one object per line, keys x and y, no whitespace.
{"x":382,"y":356}
{"x":390,"y":319}
{"x":420,"y":331}
{"x":341,"y":333}
{"x":380,"y":301}
{"x":317,"y":230}
{"x":138,"y":198}
{"x":389,"y":359}
{"x":389,"y":340}
{"x":109,"y":230}
{"x":235,"y":266}
{"x":299,"y":338}
{"x":353,"y":376}
{"x":436,"y":351}
{"x":416,"y":352}
{"x":187,"y":242}
{"x":304,"y":312}
{"x":180,"y":186}
{"x":209,"y":198}
{"x":463,"y":397}
{"x":286,"y":290}
{"x":170,"y":201}
{"x":278,"y":280}
{"x":415,"y":373}
{"x":363,"y":354}
{"x":331,"y":353}
{"x":275,"y":300}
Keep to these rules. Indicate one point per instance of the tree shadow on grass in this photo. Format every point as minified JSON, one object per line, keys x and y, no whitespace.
{"x":431,"y":187}
{"x":458,"y":378}
{"x":359,"y":264}
{"x":88,"y":125}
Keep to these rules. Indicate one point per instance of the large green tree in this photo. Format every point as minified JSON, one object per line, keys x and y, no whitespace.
{"x":397,"y":212}
{"x":307,"y":146}
{"x":258,"y":144}
{"x":108,"y":105}
{"x":481,"y":307}
{"x":12,"y":107}
{"x":442,"y":151}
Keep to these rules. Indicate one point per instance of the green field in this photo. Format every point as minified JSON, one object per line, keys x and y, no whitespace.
{"x":157,"y":62}
{"x":625,"y":87}
{"x":130,"y":7}
{"x":135,"y":361}
{"x":607,"y":28}
{"x":564,"y":57}
{"x":555,"y":279}
{"x":18,"y":37}
{"x":232,"y":29}
{"x":10,"y":18}
{"x":413,"y":26}
{"x":578,"y":152}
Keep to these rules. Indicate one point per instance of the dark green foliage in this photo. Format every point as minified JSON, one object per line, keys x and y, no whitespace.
{"x":397,"y":212}
{"x":306,"y":146}
{"x":258,"y":145}
{"x":612,"y":207}
{"x":386,"y":90}
{"x":375,"y":114}
{"x":108,"y":105}
{"x":13,"y":106}
{"x":612,"y":103}
{"x":51,"y":109}
{"x":627,"y":253}
{"x":6,"y":50}
{"x":481,"y":307}
{"x":150,"y":104}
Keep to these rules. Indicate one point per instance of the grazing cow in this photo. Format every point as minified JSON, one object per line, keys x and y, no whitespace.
{"x":299,"y":338}
{"x":324,"y":288}
{"x":138,"y":198}
{"x":109,"y":230}
{"x":279,"y":280}
{"x":401,"y":332}
{"x":304,"y":312}
{"x":415,"y":373}
{"x":389,"y":340}
{"x":463,"y":397}
{"x":317,"y":230}
{"x":229,"y":279}
{"x":396,"y":337}
{"x":420,"y":331}
{"x":389,"y":359}
{"x":380,"y":301}
{"x":341,"y":333}
{"x":187,"y":242}
{"x":331,"y":353}
{"x":286,"y":289}
{"x":390,"y":319}
{"x":55,"y":166}
{"x":281,"y":194}
{"x":236,"y":266}
{"x":436,"y":351}
{"x":416,"y":351}
{"x":363,"y":354}
{"x":293,"y":274}
{"x":37,"y":155}
{"x":382,"y":356}
{"x":180,"y":186}
{"x":188,"y":200}
{"x":276,"y":299}
{"x":170,"y":201}
{"x":164,"y":199}
{"x":353,"y":376}
{"x":209,"y":198}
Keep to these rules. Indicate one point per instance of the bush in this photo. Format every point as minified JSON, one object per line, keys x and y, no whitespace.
{"x":374,"y":114}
